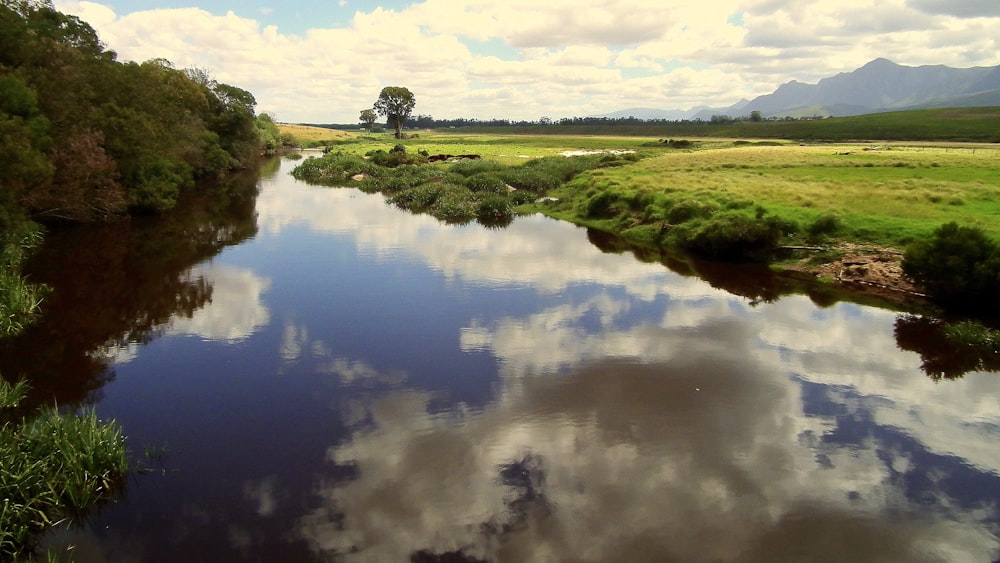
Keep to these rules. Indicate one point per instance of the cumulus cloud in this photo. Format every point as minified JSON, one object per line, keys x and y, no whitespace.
{"x":566,"y":57}
{"x":236,"y":309}
{"x":620,"y":459}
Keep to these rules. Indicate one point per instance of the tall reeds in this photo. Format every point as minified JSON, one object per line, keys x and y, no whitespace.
{"x":20,"y":301}
{"x":53,"y":466}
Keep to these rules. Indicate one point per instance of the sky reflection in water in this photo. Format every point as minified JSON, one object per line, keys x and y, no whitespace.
{"x":370,"y":384}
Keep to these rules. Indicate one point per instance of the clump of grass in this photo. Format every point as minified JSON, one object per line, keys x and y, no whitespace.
{"x":453,"y":205}
{"x":529,"y":179}
{"x":732,"y":236}
{"x":486,"y":182}
{"x":494,"y":209}
{"x":470,"y":168}
{"x":974,"y":335}
{"x":825,"y":224}
{"x":334,"y":169}
{"x":12,"y":394}
{"x":20,"y":301}
{"x":688,"y":209}
{"x":53,"y":467}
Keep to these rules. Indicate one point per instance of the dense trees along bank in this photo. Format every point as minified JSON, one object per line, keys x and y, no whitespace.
{"x":84,"y":137}
{"x":87,"y":137}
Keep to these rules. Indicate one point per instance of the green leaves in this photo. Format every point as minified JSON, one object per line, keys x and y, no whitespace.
{"x":395,"y":103}
{"x":958,"y":265}
{"x":54,"y":467}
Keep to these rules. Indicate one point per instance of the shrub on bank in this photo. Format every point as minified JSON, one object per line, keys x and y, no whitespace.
{"x":734,"y":237}
{"x":826,"y":224}
{"x":958,"y":266}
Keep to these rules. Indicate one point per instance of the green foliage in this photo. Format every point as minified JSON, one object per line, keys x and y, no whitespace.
{"x":24,"y":141}
{"x":825,"y":224}
{"x":959,"y":266}
{"x":521,"y":198}
{"x":453,"y":205}
{"x":334,"y":169}
{"x":730,"y":236}
{"x":601,"y":205}
{"x":268,"y":134}
{"x":472,"y":167}
{"x":949,"y":350}
{"x":20,"y":301}
{"x":368,"y":117}
{"x":86,"y":137}
{"x":159,"y":183}
{"x":396,"y":104}
{"x":400,"y":178}
{"x":12,"y":395}
{"x":974,"y":335}
{"x":529,"y":179}
{"x":688,"y":209}
{"x":419,"y":198}
{"x":494,"y":209}
{"x":563,"y":168}
{"x":487,"y":183}
{"x":396,"y":156}
{"x":949,"y":124}
{"x":52,"y":468}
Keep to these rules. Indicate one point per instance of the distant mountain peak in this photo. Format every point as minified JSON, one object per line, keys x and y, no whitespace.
{"x":879,"y":85}
{"x":880,"y":61}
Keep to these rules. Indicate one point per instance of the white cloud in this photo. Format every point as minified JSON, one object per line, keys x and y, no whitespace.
{"x":565,"y":57}
{"x":235,"y":310}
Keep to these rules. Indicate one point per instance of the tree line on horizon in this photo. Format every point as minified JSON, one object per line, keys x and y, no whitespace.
{"x":421,"y":121}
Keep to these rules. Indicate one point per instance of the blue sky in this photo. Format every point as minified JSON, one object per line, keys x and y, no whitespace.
{"x":290,"y":16}
{"x":324,"y":61}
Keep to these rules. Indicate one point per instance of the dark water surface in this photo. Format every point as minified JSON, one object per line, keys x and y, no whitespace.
{"x":311,"y":374}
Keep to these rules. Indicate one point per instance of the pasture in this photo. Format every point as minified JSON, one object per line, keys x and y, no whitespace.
{"x":888,"y":194}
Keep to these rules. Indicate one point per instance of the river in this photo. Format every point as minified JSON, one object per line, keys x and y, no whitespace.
{"x":310,"y":374}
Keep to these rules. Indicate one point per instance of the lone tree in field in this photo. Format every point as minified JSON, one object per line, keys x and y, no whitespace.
{"x":395,"y":103}
{"x":368,"y":117}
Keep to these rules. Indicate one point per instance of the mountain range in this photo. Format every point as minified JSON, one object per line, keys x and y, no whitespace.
{"x":880,"y":85}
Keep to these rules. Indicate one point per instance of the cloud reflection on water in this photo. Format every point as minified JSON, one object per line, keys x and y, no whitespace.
{"x":703,"y":455}
{"x":716,"y":430}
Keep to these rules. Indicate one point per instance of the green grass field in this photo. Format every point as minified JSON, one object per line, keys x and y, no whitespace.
{"x":882,"y":193}
{"x":981,"y":124}
{"x":888,"y":196}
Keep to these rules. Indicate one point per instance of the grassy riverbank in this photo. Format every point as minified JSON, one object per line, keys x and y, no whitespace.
{"x":875,"y":194}
{"x":53,"y":467}
{"x":849,"y":208}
